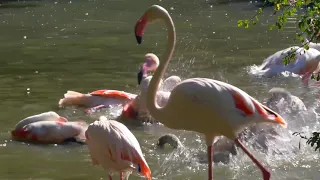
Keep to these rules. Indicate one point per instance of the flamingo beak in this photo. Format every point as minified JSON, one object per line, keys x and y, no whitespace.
{"x":139,"y":39}
{"x":139,"y":29}
{"x":142,"y":73}
{"x":140,"y":77}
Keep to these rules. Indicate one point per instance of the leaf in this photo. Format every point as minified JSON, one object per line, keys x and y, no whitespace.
{"x":246,"y":24}
{"x":240,"y":23}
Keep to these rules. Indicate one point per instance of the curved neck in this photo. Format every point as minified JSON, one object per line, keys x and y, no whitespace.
{"x":152,"y":104}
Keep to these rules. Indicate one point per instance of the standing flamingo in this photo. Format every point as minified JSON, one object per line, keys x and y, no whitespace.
{"x":203,"y":105}
{"x":115,"y":148}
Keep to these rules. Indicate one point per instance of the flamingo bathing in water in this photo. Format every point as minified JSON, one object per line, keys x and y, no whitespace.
{"x":203,"y":105}
{"x":49,"y":127}
{"x":139,"y":104}
{"x":115,"y":148}
{"x":306,"y":62}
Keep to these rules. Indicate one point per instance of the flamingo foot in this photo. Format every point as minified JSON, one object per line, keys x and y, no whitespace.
{"x":210,"y":165}
{"x":93,"y":109}
{"x":265,"y":172}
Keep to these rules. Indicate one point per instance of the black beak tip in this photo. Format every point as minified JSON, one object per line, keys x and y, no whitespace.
{"x":139,"y":39}
{"x":140,"y":76}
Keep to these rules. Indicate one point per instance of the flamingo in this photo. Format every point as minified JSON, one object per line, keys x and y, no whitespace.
{"x":139,"y":105}
{"x":203,"y":105}
{"x":306,"y":62}
{"x":47,"y":128}
{"x":104,"y":98}
{"x":96,"y":99}
{"x":115,"y":148}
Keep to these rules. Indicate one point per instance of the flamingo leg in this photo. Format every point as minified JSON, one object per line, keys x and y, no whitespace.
{"x":210,"y":165}
{"x":265,"y":172}
{"x":89,"y":110}
{"x":110,"y":177}
{"x":305,"y":78}
{"x":121,"y":176}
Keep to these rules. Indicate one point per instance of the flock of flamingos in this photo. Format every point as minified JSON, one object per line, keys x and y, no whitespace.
{"x":219,"y":108}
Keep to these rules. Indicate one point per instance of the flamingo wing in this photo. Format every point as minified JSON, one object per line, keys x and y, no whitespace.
{"x":130,"y":149}
{"x":250,"y":106}
{"x":112,"y":140}
{"x":113,"y":94}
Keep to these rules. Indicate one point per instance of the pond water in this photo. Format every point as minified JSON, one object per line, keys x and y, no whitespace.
{"x":49,"y":47}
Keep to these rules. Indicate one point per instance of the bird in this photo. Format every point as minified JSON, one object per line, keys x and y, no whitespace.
{"x":104,"y":98}
{"x":305,"y":63}
{"x":136,"y":109}
{"x":48,"y":128}
{"x":96,"y":99}
{"x":202,"y":105}
{"x":139,"y":105}
{"x":112,"y":145}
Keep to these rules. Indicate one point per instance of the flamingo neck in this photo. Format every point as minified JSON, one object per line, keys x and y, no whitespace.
{"x":152,"y":105}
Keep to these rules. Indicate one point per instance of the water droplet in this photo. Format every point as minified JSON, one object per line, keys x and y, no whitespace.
{"x":87,"y":14}
{"x":28,"y":89}
{"x":24,"y":37}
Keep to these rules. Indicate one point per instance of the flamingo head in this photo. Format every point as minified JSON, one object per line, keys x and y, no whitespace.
{"x":153,"y":13}
{"x":150,"y":65}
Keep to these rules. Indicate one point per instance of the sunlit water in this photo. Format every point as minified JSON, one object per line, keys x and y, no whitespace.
{"x":49,"y":47}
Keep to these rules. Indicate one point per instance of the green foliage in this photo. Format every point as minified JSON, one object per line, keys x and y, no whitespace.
{"x":308,"y":22}
{"x":313,"y":141}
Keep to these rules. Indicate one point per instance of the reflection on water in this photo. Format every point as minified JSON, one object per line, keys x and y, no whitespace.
{"x":54,"y":46}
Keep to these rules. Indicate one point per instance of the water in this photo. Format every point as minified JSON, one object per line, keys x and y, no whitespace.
{"x":49,"y":47}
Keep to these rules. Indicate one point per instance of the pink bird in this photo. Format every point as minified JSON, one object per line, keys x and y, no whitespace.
{"x":139,"y":104}
{"x":96,"y":98}
{"x":203,"y":105}
{"x":115,"y":148}
{"x":306,"y":63}
{"x":47,"y":128}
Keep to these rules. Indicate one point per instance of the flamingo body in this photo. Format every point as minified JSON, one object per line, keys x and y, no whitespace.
{"x":237,"y":110}
{"x":46,"y":116}
{"x":96,"y":98}
{"x":48,"y":128}
{"x":115,"y":148}
{"x":47,"y":132}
